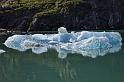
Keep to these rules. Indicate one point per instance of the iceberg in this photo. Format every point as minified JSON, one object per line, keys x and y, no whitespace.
{"x":87,"y":43}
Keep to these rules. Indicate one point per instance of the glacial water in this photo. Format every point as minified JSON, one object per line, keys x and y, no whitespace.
{"x":18,"y":66}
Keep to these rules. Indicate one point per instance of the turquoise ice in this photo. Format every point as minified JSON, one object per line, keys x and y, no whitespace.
{"x":87,"y":43}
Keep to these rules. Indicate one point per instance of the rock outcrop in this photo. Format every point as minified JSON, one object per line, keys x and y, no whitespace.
{"x":74,"y":15}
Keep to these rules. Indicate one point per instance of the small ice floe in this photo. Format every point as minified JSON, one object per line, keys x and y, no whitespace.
{"x":15,"y":41}
{"x":87,"y":43}
{"x":2,"y":51}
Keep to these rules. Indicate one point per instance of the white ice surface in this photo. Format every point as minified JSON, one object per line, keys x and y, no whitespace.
{"x":2,"y":51}
{"x":87,"y":43}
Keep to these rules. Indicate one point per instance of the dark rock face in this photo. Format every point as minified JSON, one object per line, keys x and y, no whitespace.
{"x":103,"y":14}
{"x":107,"y":14}
{"x":97,"y":14}
{"x":73,"y":19}
{"x":12,"y":22}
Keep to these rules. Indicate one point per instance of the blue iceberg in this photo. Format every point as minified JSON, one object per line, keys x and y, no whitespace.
{"x":87,"y":43}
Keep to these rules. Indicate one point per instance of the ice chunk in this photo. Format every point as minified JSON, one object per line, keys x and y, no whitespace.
{"x":62,"y":30}
{"x":36,"y":47}
{"x":90,"y":43}
{"x":87,"y":43}
{"x":92,"y":47}
{"x":27,"y":44}
{"x":95,"y":52}
{"x":15,"y":41}
{"x":66,"y":37}
{"x":40,"y":38}
{"x":2,"y":51}
{"x":84,"y":35}
{"x":94,"y":43}
{"x":114,"y":37}
{"x":53,"y":42}
{"x":39,"y":50}
{"x":53,"y":37}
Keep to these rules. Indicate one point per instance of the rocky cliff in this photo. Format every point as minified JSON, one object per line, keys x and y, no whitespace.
{"x":72,"y":14}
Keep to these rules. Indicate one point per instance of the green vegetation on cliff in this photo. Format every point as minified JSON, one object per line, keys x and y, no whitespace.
{"x":38,"y":9}
{"x":42,"y":7}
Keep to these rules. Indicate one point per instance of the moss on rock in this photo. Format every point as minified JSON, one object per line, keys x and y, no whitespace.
{"x":43,"y":10}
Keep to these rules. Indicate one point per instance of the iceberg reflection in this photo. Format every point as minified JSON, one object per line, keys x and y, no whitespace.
{"x":90,"y":44}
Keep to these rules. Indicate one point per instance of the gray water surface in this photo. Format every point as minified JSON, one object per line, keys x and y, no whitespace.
{"x":26,"y":66}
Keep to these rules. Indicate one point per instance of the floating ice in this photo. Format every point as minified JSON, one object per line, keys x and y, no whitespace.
{"x":15,"y":41}
{"x":36,"y":47}
{"x":87,"y":43}
{"x":2,"y":51}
